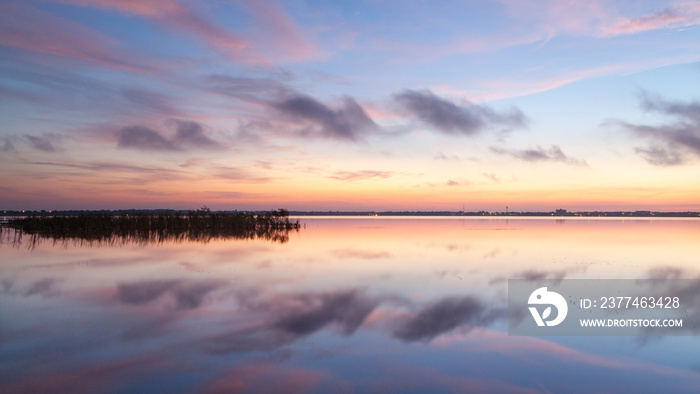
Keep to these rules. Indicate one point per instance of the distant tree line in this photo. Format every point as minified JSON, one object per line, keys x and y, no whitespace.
{"x":558,"y":212}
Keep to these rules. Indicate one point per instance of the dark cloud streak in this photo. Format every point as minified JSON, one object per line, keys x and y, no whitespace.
{"x":450,"y":118}
{"x":44,"y":143}
{"x":143,"y":138}
{"x":191,"y":134}
{"x":659,"y":156}
{"x":349,"y":121}
{"x":188,"y":135}
{"x":554,"y":153}
{"x":7,"y":146}
{"x":257,"y":90}
{"x":651,"y":102}
{"x":671,"y":143}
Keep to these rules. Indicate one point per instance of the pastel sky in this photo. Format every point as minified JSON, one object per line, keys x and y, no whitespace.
{"x":350,"y":105}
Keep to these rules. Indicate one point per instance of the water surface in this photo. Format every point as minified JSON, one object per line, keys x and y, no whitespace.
{"x":344,"y":305}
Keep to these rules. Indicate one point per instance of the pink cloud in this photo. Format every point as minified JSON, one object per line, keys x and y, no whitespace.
{"x":549,"y":18}
{"x":531,"y":22}
{"x":287,"y":39}
{"x":682,"y":15}
{"x":598,"y":17}
{"x":523,"y":84}
{"x":29,"y":29}
{"x":177,"y":16}
{"x":279,"y":31}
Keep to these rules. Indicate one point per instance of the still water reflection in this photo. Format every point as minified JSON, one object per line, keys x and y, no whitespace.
{"x":346,"y":305}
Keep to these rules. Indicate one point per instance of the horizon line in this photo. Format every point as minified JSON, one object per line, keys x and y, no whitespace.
{"x":558,"y":211}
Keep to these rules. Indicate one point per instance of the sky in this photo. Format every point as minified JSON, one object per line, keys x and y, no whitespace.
{"x":350,"y":105}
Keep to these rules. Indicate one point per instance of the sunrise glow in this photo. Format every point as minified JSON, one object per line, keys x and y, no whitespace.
{"x":534,"y":105}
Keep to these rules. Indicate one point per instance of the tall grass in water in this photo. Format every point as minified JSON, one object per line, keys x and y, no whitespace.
{"x":201,"y":225}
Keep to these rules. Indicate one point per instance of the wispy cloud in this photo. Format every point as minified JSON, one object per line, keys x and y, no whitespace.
{"x":360,"y":175}
{"x":29,"y":29}
{"x":687,"y":110}
{"x":660,"y":156}
{"x":7,"y":146}
{"x":106,"y":172}
{"x":188,"y":135}
{"x":220,"y":171}
{"x":493,"y":177}
{"x":143,"y":138}
{"x":12,"y":94}
{"x":671,"y":143}
{"x":451,"y":118}
{"x":150,"y":101}
{"x":682,"y":15}
{"x":598,"y":18}
{"x":261,"y":90}
{"x":282,"y":38}
{"x":450,"y":183}
{"x":442,"y":156}
{"x":275,"y":36}
{"x":177,"y":16}
{"x":554,"y":17}
{"x":45,"y":143}
{"x":554,"y":153}
{"x":234,"y":173}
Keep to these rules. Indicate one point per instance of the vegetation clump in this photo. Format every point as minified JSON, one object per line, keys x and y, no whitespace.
{"x":201,"y":225}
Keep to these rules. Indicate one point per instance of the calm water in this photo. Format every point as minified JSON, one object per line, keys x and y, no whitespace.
{"x":345,"y":305}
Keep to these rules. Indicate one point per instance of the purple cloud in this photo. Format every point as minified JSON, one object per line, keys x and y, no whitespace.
{"x":554,"y":153}
{"x":671,"y":143}
{"x":450,"y":118}
{"x":349,"y":121}
{"x":188,"y":135}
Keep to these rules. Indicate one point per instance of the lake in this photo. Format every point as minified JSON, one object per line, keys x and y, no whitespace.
{"x":359,"y":304}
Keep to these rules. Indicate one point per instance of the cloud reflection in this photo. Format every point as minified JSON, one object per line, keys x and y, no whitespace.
{"x":294,"y":316}
{"x":187,"y":295}
{"x":265,"y":377}
{"x":443,"y":316}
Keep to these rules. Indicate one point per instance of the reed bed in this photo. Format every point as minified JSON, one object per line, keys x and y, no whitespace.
{"x":201,"y":225}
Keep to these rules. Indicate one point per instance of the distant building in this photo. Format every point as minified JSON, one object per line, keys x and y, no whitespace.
{"x":560,"y":212}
